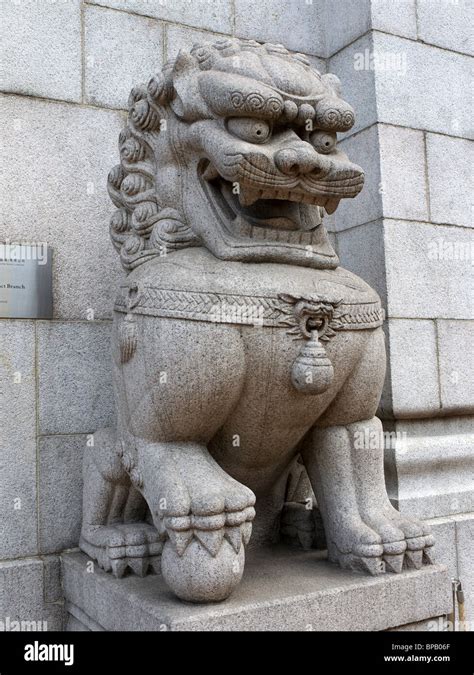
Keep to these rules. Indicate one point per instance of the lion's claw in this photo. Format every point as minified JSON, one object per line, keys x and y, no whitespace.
{"x":119,"y":547}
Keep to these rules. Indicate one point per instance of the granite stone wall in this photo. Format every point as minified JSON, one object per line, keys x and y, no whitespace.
{"x":68,"y":66}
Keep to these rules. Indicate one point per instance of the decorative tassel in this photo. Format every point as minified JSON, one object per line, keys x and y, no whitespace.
{"x":312,"y":371}
{"x":128,"y":337}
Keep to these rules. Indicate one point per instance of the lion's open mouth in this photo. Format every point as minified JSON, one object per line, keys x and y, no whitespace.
{"x":276,"y":214}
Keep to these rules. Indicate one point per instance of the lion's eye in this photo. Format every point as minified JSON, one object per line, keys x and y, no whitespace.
{"x":248,"y":129}
{"x":323,"y":141}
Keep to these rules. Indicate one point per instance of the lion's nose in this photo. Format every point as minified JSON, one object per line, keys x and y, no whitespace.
{"x":296,"y":162}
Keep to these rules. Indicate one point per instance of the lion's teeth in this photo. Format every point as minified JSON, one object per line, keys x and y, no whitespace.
{"x":331,"y":205}
{"x":271,"y":235}
{"x":245,"y":229}
{"x":248,"y":197}
{"x":314,"y":237}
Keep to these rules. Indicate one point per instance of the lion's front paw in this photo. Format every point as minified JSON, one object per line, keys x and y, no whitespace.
{"x":418,"y":538}
{"x":136,"y":546}
{"x":205,"y":518}
{"x":406,"y":542}
{"x":213,"y":512}
{"x":195,"y":499}
{"x":353,"y":545}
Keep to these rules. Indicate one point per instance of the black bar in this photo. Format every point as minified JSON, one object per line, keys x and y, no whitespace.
{"x":403,"y":652}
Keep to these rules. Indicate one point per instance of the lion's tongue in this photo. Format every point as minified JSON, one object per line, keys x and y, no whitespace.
{"x":267,"y":209}
{"x":279,"y":214}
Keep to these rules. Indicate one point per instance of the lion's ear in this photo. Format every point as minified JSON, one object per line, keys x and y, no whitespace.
{"x":184,"y":62}
{"x":188,"y":103}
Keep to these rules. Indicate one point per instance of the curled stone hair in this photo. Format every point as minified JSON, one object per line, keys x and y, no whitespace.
{"x":142,"y":227}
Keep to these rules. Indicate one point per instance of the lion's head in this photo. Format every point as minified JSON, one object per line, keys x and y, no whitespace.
{"x":233,"y":146}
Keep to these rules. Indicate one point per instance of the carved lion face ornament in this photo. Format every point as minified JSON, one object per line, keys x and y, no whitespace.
{"x":250,"y":130}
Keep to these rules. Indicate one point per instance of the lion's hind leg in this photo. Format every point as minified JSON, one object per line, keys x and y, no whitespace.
{"x":114,"y":528}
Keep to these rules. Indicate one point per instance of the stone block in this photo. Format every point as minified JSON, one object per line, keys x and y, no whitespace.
{"x":353,"y":67}
{"x":21,"y":590}
{"x":456,"y":365}
{"x":41,"y":52}
{"x":282,"y":590}
{"x":415,"y":255}
{"x":367,"y":206}
{"x":52,"y":588}
{"x":121,"y":50}
{"x":395,"y":181}
{"x":398,"y":18}
{"x":66,"y":203}
{"x":345,"y":21}
{"x":446,"y":24}
{"x":450,"y":162}
{"x":60,"y":489}
{"x":413,"y":368}
{"x":210,"y":14}
{"x":54,"y":616}
{"x":299,"y":25}
{"x":21,"y":598}
{"x":74,"y":373}
{"x":360,"y":250}
{"x":403,"y":173}
{"x":435,"y":467}
{"x":18,"y":514}
{"x":437,"y":100}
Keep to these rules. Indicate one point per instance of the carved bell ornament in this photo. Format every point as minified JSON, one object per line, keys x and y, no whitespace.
{"x":315,"y":320}
{"x":312,"y":371}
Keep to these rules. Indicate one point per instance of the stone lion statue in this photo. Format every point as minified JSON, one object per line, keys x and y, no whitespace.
{"x":241,"y":349}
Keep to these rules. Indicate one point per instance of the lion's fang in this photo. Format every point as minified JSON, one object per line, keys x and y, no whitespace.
{"x":331,"y":205}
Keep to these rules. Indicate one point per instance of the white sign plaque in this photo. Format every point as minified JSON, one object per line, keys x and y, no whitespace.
{"x":26,"y":287}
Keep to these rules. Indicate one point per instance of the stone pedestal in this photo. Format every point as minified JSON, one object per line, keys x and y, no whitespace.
{"x":282,"y":590}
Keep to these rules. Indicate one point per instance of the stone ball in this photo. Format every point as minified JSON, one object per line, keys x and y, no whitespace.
{"x":196,"y":576}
